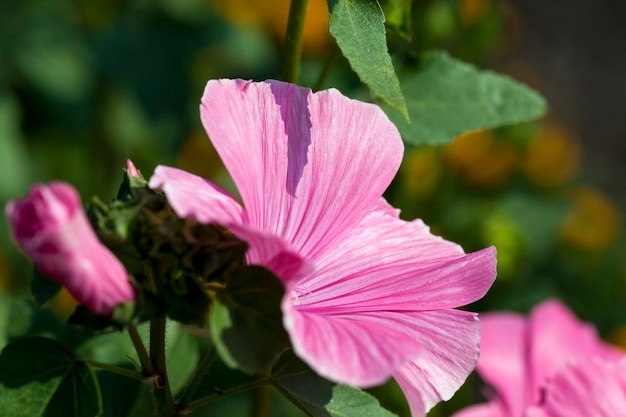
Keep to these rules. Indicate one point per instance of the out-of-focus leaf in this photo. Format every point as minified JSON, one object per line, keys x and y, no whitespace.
{"x":359,"y":28}
{"x":446,"y":98}
{"x":247,"y":313}
{"x":39,"y":377}
{"x":318,"y":397}
{"x":398,"y":15}
{"x":43,"y":288}
{"x":15,"y":168}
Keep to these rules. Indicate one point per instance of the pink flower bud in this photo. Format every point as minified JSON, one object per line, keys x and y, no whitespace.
{"x":51,"y":227}
{"x":132,"y":169}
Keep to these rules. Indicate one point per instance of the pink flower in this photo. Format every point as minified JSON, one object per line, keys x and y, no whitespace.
{"x":132,"y":169}
{"x":586,"y":388}
{"x":368,"y":296}
{"x":518,"y":356}
{"x":52,"y":229}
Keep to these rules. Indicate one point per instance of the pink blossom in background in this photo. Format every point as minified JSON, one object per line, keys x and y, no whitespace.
{"x":520,"y":355}
{"x":368,"y":296}
{"x":589,"y":387}
{"x":50,"y":226}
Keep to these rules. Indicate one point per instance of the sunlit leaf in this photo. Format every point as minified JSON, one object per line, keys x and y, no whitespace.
{"x":359,"y":28}
{"x":446,"y":98}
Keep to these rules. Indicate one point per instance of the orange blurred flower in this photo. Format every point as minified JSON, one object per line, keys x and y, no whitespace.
{"x":63,"y":304}
{"x":482,"y":160}
{"x":273,"y":15}
{"x":593,"y":222}
{"x":552,"y":156}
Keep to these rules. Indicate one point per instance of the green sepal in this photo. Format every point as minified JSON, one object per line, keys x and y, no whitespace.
{"x":246,"y":320}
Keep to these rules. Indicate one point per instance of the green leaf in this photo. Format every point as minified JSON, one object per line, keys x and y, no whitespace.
{"x":359,"y":28}
{"x":398,"y":14}
{"x":43,"y":288}
{"x":318,"y":397}
{"x":246,"y":320}
{"x":39,"y":377}
{"x":447,"y":97}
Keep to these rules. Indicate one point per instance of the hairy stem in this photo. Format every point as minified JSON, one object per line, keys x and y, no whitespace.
{"x":293,"y":41}
{"x":160,"y":384}
{"x":144,"y":358}
{"x":115,"y":369}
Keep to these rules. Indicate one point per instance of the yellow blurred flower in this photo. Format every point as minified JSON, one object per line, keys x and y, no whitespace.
{"x":420,"y":171}
{"x":552,"y":156}
{"x":482,"y":160}
{"x":273,"y":15}
{"x":593,"y":221}
{"x":472,"y":10}
{"x":63,"y":304}
{"x":198,"y":156}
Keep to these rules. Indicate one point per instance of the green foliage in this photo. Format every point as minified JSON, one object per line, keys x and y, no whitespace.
{"x":359,"y":28}
{"x":43,"y":288}
{"x":318,"y":397}
{"x":39,"y":377}
{"x":446,"y":98}
{"x":247,"y":314}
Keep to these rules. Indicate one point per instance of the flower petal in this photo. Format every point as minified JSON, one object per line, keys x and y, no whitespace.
{"x":360,"y":350}
{"x":556,"y":336}
{"x":492,"y":409}
{"x":585,"y":388}
{"x":194,"y":197}
{"x":389,"y":264}
{"x":450,"y":350}
{"x":502,"y":361}
{"x":308,"y":166}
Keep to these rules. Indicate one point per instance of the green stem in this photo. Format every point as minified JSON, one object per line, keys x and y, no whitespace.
{"x":142,"y":353}
{"x":261,"y":405}
{"x":223,"y":394}
{"x":115,"y":369}
{"x":293,"y":41}
{"x":195,"y":380}
{"x":161,"y":385}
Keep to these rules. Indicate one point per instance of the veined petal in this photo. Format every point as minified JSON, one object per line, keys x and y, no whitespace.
{"x":360,"y":350}
{"x":503,"y":359}
{"x":450,"y":350}
{"x":556,"y":336}
{"x":389,"y":264}
{"x":194,"y":197}
{"x":308,"y":166}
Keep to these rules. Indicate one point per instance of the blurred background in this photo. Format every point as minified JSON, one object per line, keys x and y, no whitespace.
{"x":86,"y":84}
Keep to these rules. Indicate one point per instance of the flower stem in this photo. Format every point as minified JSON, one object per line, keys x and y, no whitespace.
{"x":195,"y":380}
{"x":115,"y":369}
{"x":142,"y":353}
{"x":223,"y":394}
{"x":261,"y":405}
{"x":293,"y":41}
{"x":160,"y":384}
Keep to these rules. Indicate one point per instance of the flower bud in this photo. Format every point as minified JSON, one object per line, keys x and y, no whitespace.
{"x":51,"y":227}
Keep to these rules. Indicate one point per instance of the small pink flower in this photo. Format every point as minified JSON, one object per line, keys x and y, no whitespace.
{"x":368,"y":296}
{"x":132,"y":169}
{"x":585,"y":388}
{"x":51,"y":227}
{"x":518,"y":355}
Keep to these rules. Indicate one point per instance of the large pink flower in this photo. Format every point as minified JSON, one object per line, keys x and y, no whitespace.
{"x":368,"y":296}
{"x":519,"y":356}
{"x":52,"y":229}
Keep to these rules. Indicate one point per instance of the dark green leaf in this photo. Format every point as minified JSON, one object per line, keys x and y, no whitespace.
{"x":359,"y":28}
{"x":447,"y":97}
{"x":39,"y":377}
{"x":43,"y":288}
{"x":246,"y":320}
{"x":318,"y":397}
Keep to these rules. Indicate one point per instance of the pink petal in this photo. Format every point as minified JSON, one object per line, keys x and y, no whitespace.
{"x":194,"y":197}
{"x":556,"y":336}
{"x":586,"y":388}
{"x":388,"y":264}
{"x":308,"y":166}
{"x":450,"y":350}
{"x":492,"y":409}
{"x":360,"y":350}
{"x":502,"y":361}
